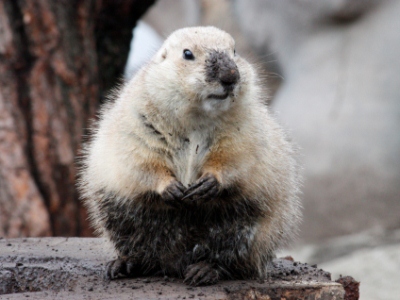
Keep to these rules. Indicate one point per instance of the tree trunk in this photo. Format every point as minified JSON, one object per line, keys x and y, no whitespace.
{"x":57,"y":59}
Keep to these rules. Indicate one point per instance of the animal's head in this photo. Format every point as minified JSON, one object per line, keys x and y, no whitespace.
{"x":200,"y":66}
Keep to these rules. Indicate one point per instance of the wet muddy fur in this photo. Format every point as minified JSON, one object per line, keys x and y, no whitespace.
{"x":201,"y":244}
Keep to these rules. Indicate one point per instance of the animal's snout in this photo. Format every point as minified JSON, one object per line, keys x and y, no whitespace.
{"x":229,"y":76}
{"x":220,"y":67}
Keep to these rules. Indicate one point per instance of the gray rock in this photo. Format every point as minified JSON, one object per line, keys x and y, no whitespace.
{"x":72,"y":268}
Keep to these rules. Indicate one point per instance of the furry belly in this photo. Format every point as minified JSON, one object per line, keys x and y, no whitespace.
{"x":169,"y":240}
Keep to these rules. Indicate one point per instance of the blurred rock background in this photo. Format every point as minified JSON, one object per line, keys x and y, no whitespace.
{"x":333,"y":71}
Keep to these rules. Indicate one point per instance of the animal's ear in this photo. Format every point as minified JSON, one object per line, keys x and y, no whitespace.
{"x":161,"y":55}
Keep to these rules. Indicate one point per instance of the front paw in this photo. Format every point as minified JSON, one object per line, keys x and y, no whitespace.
{"x":173,"y":194}
{"x":121,"y":267}
{"x":204,"y":189}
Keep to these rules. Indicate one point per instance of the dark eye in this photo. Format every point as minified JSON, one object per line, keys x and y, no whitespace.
{"x":187,"y":54}
{"x":234,"y":52}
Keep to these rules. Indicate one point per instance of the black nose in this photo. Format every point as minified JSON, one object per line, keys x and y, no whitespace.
{"x":221,"y":68}
{"x":228,"y":77}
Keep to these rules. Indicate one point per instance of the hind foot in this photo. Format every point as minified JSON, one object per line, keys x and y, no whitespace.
{"x":121,"y":267}
{"x":201,"y":273}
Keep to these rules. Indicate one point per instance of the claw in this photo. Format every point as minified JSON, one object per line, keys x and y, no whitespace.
{"x":191,"y":271}
{"x":114,"y":268}
{"x":121,"y":267}
{"x":206,"y":188}
{"x":189,"y":195}
{"x":209,"y":194}
{"x":194,"y":186}
{"x":201,"y":273}
{"x":173,"y":194}
{"x":210,"y":278}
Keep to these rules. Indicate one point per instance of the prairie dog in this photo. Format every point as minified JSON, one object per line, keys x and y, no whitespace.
{"x":187,"y":174}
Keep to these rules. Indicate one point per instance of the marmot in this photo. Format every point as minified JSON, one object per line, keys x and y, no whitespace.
{"x":186,"y":173}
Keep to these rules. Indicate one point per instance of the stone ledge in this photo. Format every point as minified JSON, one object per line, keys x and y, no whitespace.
{"x":71,"y":268}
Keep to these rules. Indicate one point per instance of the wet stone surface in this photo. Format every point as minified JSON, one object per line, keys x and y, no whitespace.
{"x":73,"y":269}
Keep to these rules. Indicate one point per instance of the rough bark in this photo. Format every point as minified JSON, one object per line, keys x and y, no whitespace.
{"x":57,"y":59}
